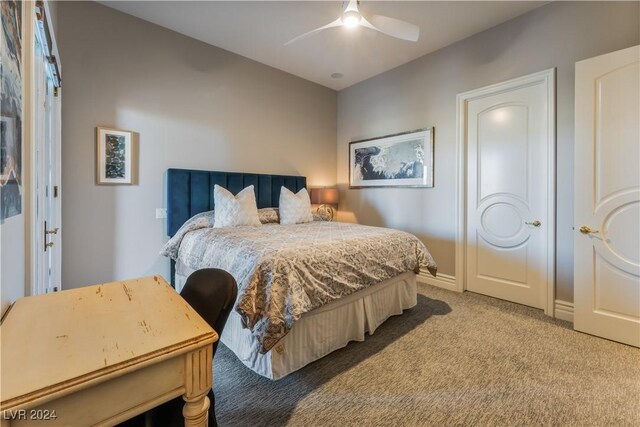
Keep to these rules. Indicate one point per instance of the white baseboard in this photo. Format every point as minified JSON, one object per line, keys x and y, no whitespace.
{"x":563,"y":310}
{"x":441,"y":280}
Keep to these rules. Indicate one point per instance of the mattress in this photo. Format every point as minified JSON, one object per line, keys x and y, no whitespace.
{"x":321,"y":331}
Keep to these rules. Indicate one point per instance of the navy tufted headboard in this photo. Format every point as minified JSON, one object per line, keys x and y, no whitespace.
{"x":190,"y":192}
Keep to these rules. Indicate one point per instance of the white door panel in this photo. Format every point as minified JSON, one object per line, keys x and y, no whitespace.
{"x":607,"y":196}
{"x":507,"y":169}
{"x":46,"y":160}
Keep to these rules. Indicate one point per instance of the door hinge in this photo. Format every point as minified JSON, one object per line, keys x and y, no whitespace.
{"x":55,"y":191}
{"x":55,"y":91}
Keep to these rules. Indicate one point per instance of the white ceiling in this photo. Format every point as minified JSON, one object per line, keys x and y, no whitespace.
{"x":259,"y":29}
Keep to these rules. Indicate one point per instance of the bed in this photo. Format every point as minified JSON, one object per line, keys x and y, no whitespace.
{"x":305,"y":290}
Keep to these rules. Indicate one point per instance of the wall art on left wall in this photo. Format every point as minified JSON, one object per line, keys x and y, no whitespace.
{"x":115,"y":154}
{"x":11,"y":110}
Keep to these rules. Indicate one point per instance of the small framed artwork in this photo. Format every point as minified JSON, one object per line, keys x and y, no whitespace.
{"x":115,"y":156}
{"x":399,"y":160}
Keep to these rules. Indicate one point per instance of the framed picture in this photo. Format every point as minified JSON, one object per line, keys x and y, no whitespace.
{"x":11,"y":82}
{"x":115,"y":156}
{"x":400,"y":160}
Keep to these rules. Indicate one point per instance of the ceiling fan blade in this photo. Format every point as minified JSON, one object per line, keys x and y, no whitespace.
{"x":393,"y":27}
{"x":336,"y":23}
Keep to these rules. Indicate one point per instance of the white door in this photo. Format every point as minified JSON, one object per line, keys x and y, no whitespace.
{"x":607,"y":196}
{"x":51,"y":196}
{"x":510,"y":140}
{"x":46,"y":249}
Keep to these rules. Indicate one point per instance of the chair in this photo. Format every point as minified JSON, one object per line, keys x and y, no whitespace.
{"x":212,"y":294}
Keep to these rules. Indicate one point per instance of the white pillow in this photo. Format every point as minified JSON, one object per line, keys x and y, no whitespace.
{"x":232,"y":211}
{"x":295,"y":208}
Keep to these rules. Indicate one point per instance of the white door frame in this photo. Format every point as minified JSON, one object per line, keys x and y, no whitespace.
{"x":547,"y":77}
{"x":29,"y":137}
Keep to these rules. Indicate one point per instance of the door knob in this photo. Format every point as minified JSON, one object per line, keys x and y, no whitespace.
{"x":48,"y":245}
{"x":54,"y":231}
{"x":535,"y":223}
{"x":585,"y":229}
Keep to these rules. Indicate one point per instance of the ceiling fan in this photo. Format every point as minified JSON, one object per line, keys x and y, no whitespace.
{"x":351,"y":18}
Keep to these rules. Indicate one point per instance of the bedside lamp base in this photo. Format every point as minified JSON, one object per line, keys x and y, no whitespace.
{"x":326,"y":211}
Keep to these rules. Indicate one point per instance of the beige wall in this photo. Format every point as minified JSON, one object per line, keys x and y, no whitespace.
{"x":193,"y":106}
{"x":423,"y":93}
{"x":12,"y":264}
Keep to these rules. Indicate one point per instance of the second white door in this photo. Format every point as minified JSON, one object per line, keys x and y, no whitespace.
{"x":607,"y":196}
{"x":509,"y":220}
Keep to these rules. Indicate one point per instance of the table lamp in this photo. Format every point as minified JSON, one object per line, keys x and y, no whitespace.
{"x":327,"y":198}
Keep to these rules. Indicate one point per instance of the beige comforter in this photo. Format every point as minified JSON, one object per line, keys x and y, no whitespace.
{"x":284,"y":271}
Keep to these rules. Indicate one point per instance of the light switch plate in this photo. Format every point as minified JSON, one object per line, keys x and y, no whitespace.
{"x":161,"y":213}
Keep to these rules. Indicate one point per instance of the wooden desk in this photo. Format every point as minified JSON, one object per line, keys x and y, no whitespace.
{"x":102,"y":354}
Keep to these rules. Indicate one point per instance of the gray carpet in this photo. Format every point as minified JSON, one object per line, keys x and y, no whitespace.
{"x":454,"y":360}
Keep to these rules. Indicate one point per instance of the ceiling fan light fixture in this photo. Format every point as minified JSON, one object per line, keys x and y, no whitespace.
{"x":351,"y":19}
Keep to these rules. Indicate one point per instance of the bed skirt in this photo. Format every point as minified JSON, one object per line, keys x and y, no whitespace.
{"x":323,"y":330}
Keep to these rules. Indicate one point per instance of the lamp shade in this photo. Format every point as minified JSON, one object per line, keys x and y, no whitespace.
{"x":324,"y":196}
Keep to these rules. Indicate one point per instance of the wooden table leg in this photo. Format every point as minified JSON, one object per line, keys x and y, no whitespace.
{"x":198,"y":381}
{"x":196,"y":411}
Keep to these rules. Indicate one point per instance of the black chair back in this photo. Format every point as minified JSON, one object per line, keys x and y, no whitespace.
{"x":212,"y":293}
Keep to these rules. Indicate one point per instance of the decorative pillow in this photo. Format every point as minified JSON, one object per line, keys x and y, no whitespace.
{"x":295,"y":208}
{"x":269,"y":215}
{"x":236,"y":210}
